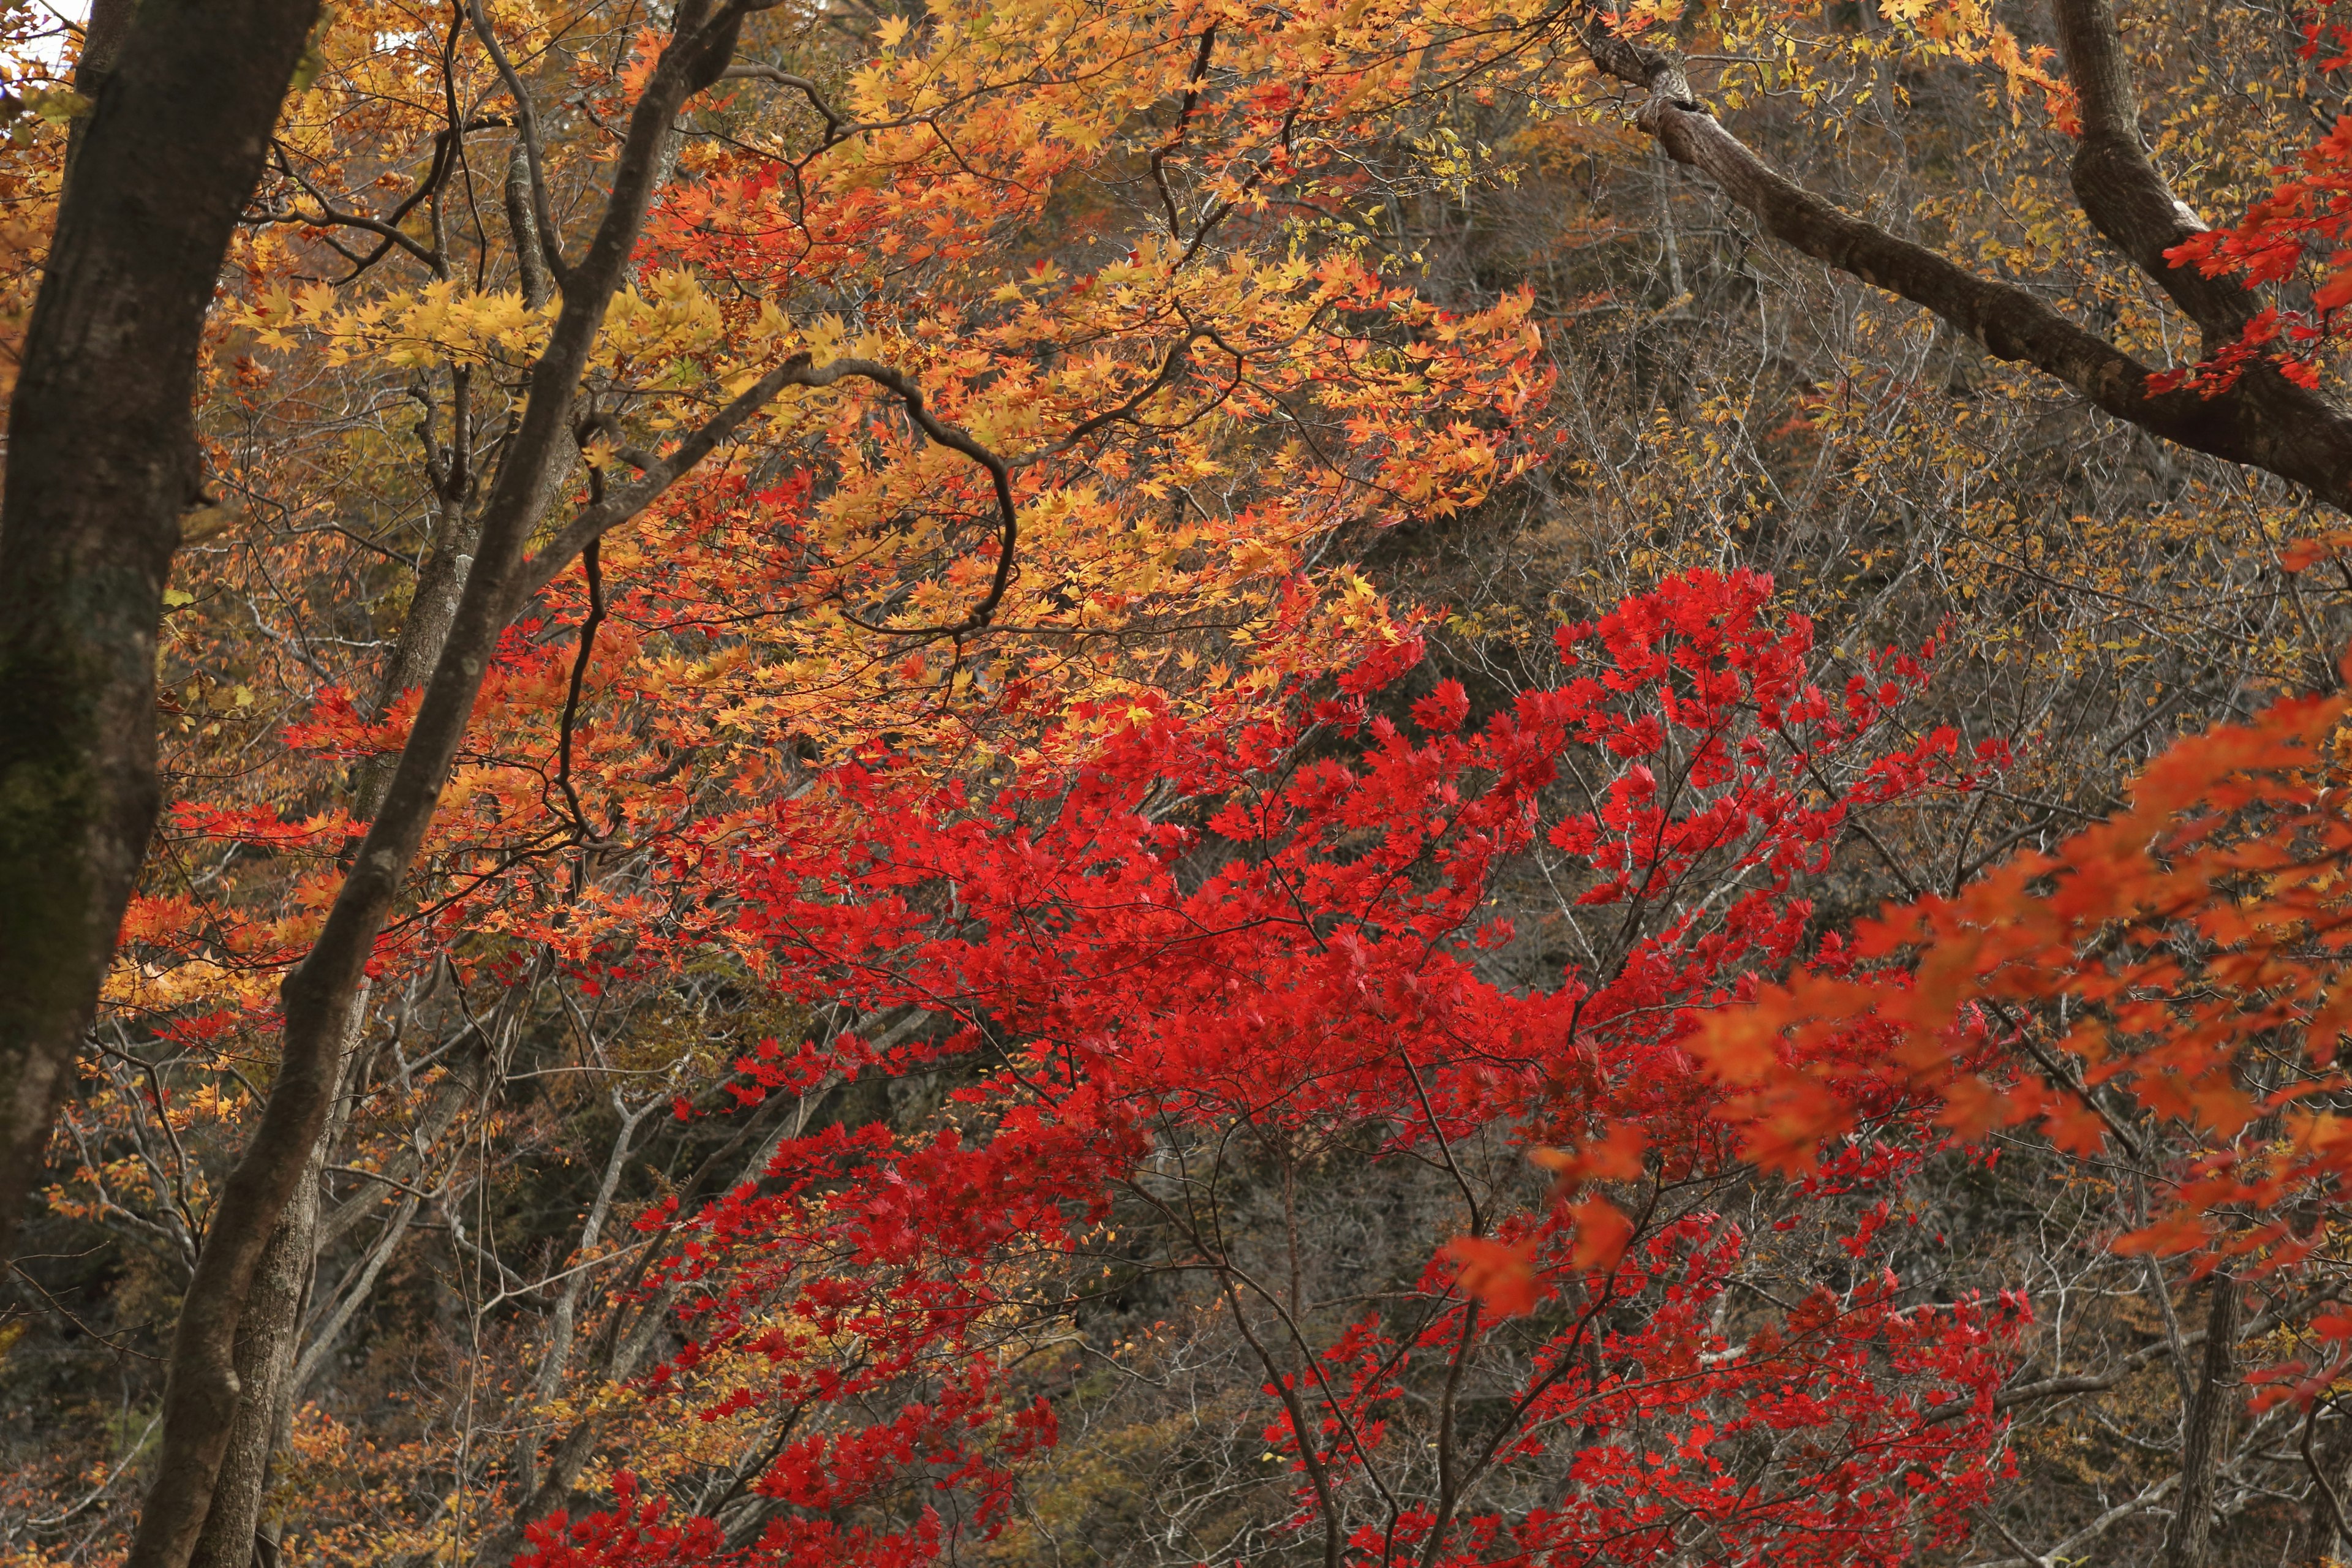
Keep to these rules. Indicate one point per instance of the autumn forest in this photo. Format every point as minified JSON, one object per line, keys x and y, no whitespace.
{"x":1380,"y":783}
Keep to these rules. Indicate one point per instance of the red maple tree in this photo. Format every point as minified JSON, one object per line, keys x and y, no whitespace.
{"x":1188,"y":939}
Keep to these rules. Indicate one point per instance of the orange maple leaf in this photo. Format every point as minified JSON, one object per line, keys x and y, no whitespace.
{"x":1501,"y":1275}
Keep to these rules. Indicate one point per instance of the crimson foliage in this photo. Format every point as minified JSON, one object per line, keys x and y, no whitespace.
{"x":1194,"y":943}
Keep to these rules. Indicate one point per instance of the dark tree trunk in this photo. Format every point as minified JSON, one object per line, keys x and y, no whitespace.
{"x":2207,"y":1432}
{"x":102,"y":461}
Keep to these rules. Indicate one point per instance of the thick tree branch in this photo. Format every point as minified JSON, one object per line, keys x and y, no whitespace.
{"x":2118,"y":184}
{"x":101,"y":46}
{"x":2264,"y":421}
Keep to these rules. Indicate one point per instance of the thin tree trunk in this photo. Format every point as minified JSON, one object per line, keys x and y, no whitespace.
{"x":202,"y":1386}
{"x":2207,"y":1435}
{"x":457,"y":527}
{"x":102,"y":462}
{"x":448,"y":560}
{"x":555,"y":1360}
{"x":267,"y":1337}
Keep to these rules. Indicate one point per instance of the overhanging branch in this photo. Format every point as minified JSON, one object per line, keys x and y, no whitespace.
{"x":2263,"y":421}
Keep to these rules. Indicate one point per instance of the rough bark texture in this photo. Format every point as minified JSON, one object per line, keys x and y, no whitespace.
{"x":268,"y":1335}
{"x":102,"y":464}
{"x":2325,"y":1538}
{"x":522,"y":225}
{"x":2207,"y":1432}
{"x":2264,"y":421}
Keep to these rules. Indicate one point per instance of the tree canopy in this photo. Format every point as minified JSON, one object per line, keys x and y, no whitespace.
{"x":1360,"y":783}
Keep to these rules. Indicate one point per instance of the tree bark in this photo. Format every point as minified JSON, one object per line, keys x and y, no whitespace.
{"x":102,"y":461}
{"x":267,"y":1337}
{"x":522,"y":227}
{"x":265,"y":1344}
{"x":101,"y":46}
{"x":2207,"y":1431}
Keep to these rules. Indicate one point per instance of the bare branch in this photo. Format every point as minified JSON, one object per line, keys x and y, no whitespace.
{"x":836,"y":128}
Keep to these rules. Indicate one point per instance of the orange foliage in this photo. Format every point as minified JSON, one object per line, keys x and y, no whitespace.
{"x":2178,"y":969}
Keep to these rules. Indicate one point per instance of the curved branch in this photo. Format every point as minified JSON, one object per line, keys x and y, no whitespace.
{"x":2118,"y":184}
{"x":956,"y":440}
{"x":626,"y":503}
{"x":588,"y":563}
{"x":836,"y":128}
{"x":1125,"y":412}
{"x":329,"y":217}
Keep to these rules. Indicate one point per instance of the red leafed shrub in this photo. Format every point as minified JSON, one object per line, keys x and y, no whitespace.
{"x":1206,"y":968}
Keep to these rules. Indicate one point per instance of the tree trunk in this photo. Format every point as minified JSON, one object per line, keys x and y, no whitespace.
{"x":102,"y":461}
{"x":2327,"y":1541}
{"x":268,"y":1335}
{"x":2190,"y":1544}
{"x":265,"y":1349}
{"x":201,"y":1386}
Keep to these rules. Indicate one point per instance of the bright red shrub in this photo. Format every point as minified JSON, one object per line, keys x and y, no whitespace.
{"x":1272,"y":933}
